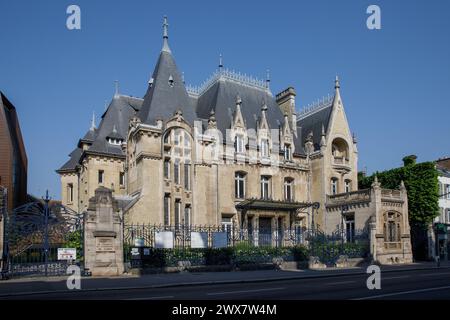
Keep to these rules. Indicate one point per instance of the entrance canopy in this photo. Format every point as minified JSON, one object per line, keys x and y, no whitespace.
{"x":261,"y":204}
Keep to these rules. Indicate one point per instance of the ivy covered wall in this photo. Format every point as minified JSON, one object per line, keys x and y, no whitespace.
{"x":421,"y":182}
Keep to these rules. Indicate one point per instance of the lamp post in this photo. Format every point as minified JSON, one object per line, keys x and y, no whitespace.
{"x":315,"y":207}
{"x":46,"y":244}
{"x":344,"y":208}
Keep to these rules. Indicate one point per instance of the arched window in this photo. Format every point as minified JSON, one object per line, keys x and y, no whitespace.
{"x":340,"y":152}
{"x":288,"y":189}
{"x":179,"y":143}
{"x":334,"y":186}
{"x":239,"y":185}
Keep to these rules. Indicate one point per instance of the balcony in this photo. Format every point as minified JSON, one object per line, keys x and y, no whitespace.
{"x":341,"y":163}
{"x":354,"y":197}
{"x":390,"y":194}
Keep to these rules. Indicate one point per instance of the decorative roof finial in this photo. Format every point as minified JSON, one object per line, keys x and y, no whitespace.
{"x":268,"y":79}
{"x":238,"y":100}
{"x":93,"y":121}
{"x":116,"y":83}
{"x":336,"y":83}
{"x":220,"y":62}
{"x":182,"y":77}
{"x":165,"y":36}
{"x":264,"y":106}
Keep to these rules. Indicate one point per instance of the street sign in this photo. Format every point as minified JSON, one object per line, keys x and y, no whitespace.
{"x":67,"y":253}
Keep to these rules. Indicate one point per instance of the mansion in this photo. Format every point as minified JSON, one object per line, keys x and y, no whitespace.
{"x":229,"y":152}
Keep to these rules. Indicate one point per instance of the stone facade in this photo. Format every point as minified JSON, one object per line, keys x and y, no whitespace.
{"x":103,"y":241}
{"x":383,"y":213}
{"x":229,"y":152}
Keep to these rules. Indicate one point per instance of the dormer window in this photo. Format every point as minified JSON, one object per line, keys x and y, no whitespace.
{"x":287,"y":152}
{"x":115,"y":142}
{"x":171,"y":82}
{"x":239,"y":143}
{"x":264,"y":148}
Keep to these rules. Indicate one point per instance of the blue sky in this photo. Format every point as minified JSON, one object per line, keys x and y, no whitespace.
{"x":394,"y":81}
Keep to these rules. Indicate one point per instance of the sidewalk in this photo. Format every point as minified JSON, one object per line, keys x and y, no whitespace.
{"x":54,"y":284}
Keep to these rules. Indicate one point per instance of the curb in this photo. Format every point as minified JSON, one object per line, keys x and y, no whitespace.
{"x":215,"y":282}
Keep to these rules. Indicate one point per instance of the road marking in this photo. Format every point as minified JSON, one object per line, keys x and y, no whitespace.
{"x":338,"y":283}
{"x":434,"y":274}
{"x":151,"y":298}
{"x":243,"y":291}
{"x":399,"y":277}
{"x":402,"y":293}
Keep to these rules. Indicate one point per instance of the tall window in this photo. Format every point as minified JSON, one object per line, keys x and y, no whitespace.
{"x":122,"y":179}
{"x":288,"y":189}
{"x":448,"y":215}
{"x":177,"y":212}
{"x":350,"y":227}
{"x":187,"y":215}
{"x":347,"y":186}
{"x":167,"y":169}
{"x":447,"y":191}
{"x":239,"y":143}
{"x":70,"y":192}
{"x":176,"y":171}
{"x":334,"y":186}
{"x":287,"y":152}
{"x":264,"y":148}
{"x":101,"y":176}
{"x":239,"y":185}
{"x":187,"y":176}
{"x":167,"y":209}
{"x":265,"y":187}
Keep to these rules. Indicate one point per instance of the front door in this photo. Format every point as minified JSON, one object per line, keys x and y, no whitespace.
{"x":265,"y":231}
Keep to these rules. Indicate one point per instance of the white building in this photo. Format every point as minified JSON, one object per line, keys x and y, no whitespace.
{"x":443,"y":220}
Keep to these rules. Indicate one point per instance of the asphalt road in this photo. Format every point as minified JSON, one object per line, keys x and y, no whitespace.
{"x":419,"y":284}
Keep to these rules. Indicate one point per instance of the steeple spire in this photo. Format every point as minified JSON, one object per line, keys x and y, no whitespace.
{"x":337,"y":94}
{"x":336,"y":83}
{"x":93,"y":121}
{"x":165,"y":36}
{"x":268,"y":79}
{"x":116,"y":84}
{"x":220,"y":62}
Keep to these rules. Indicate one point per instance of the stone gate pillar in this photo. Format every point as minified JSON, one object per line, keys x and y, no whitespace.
{"x":103,"y":237}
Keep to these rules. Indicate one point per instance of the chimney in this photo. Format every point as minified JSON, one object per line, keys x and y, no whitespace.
{"x":286,"y":102}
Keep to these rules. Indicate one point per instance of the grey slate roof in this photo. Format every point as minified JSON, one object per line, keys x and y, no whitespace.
{"x":443,"y":172}
{"x":71,"y":165}
{"x":222,"y":98}
{"x":120,"y":111}
{"x":162,"y":100}
{"x":117,"y":115}
{"x":313,"y":123}
{"x":90,"y":135}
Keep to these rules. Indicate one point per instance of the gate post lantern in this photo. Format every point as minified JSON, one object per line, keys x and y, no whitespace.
{"x":46,"y":244}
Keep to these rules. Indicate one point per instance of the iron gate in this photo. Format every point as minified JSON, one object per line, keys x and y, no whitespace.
{"x":33,"y":234}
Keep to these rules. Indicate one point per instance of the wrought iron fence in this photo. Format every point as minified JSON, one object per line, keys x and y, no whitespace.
{"x":33,"y":234}
{"x":187,"y":242}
